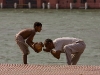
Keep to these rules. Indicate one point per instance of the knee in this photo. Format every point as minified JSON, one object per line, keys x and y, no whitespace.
{"x":25,"y":54}
{"x":66,"y":47}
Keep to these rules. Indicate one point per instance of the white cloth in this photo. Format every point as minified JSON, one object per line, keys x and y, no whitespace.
{"x":70,"y":45}
{"x":21,"y":43}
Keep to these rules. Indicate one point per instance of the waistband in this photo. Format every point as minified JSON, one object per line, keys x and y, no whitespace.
{"x":18,"y":36}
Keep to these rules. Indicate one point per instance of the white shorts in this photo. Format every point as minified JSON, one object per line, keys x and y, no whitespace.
{"x":21,"y":43}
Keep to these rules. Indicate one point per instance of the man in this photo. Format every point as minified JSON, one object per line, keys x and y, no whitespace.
{"x":72,"y":47}
{"x":24,"y":38}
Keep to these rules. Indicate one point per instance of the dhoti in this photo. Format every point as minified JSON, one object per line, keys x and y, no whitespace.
{"x":21,"y":43}
{"x":76,"y":49}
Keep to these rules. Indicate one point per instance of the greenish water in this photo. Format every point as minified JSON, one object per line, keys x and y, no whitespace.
{"x":79,"y":23}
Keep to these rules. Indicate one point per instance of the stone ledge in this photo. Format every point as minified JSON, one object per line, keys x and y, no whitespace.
{"x":32,"y":69}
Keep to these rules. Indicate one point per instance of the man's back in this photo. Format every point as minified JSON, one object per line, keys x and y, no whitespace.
{"x":25,"y":33}
{"x":59,"y":43}
{"x":66,"y":40}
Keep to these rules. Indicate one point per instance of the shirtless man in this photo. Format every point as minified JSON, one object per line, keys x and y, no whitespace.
{"x":25,"y":38}
{"x":72,"y":47}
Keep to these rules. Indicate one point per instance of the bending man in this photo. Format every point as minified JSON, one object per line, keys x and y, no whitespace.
{"x":72,"y":47}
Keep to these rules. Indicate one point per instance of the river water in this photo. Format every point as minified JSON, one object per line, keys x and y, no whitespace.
{"x":79,"y":23}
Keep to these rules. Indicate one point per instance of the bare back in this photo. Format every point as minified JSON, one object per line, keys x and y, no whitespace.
{"x":26,"y":33}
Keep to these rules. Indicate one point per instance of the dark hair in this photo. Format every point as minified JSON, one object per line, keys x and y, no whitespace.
{"x":37,"y":24}
{"x":48,"y":41}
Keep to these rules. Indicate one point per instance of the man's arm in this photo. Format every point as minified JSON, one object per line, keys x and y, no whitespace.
{"x":56,"y":54}
{"x":30,"y":42}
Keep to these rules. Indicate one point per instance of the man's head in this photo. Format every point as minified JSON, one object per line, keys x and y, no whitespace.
{"x":48,"y":43}
{"x":38,"y":26}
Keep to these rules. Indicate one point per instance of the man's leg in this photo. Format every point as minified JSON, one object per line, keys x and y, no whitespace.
{"x":68,"y":54}
{"x":24,"y":48}
{"x":25,"y":59}
{"x":76,"y":58}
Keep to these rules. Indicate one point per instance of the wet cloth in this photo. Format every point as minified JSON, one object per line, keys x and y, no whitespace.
{"x":69,"y":46}
{"x":21,"y":43}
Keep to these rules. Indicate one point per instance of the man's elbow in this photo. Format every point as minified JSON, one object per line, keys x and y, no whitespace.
{"x":58,"y":57}
{"x":27,"y":42}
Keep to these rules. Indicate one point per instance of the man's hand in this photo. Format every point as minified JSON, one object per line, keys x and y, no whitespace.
{"x":56,"y":54}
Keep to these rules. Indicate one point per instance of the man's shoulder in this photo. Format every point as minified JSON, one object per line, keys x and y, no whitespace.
{"x":27,"y":31}
{"x":30,"y":30}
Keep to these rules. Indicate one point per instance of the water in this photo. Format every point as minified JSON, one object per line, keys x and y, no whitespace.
{"x":79,"y":23}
